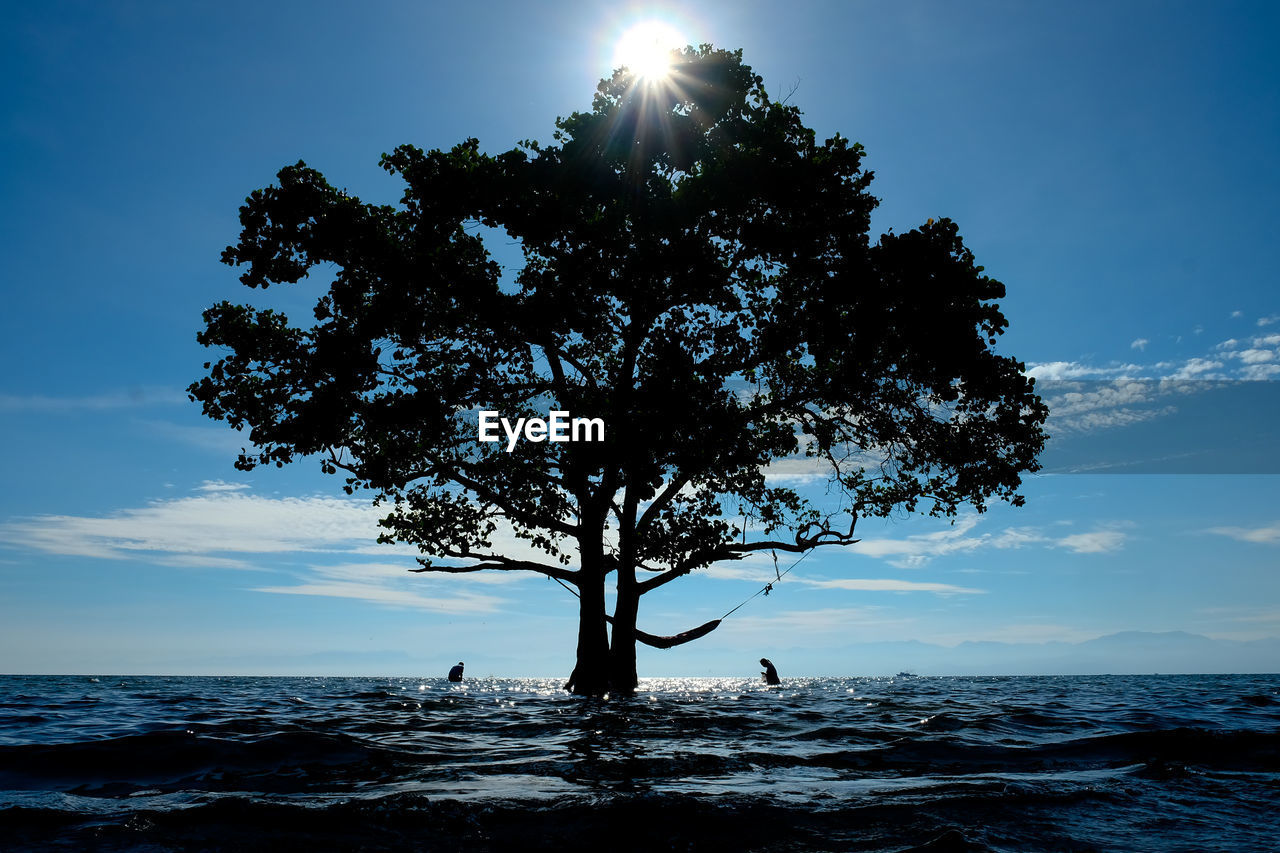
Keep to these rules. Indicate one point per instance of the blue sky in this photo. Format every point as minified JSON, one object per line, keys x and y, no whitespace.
{"x":1113,"y":164}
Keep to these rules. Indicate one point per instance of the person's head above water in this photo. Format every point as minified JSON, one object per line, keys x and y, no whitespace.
{"x":764,"y":661}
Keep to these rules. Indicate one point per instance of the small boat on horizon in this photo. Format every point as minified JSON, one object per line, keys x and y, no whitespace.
{"x":905,"y":674}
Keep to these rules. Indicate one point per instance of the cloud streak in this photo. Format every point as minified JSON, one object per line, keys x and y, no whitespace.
{"x":891,"y":585}
{"x":219,"y":521}
{"x":916,"y":551}
{"x":388,"y":584}
{"x":224,"y":527}
{"x":1268,"y":534}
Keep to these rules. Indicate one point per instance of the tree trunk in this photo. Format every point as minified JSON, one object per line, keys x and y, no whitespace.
{"x":623,"y":678}
{"x":591,"y":671}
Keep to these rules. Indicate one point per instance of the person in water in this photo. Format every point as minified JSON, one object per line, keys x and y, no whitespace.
{"x":770,"y":675}
{"x":455,"y":674}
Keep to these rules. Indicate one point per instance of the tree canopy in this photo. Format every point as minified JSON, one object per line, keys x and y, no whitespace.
{"x":698,"y":273}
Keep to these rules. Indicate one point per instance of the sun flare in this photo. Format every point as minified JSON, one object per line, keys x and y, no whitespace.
{"x":645,"y":49}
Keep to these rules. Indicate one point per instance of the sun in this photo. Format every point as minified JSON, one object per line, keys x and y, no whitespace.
{"x":645,"y":49}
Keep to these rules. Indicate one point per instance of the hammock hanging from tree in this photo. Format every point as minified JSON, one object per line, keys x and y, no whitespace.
{"x":702,"y":630}
{"x":676,"y":639}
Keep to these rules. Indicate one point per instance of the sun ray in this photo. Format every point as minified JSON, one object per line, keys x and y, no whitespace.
{"x":645,"y":49}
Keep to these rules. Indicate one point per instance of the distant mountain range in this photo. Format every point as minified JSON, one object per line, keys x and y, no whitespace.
{"x":1128,"y":652}
{"x":1123,"y":653}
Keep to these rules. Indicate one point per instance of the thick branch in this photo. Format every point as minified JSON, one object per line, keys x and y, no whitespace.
{"x":668,"y":494}
{"x":500,"y":563}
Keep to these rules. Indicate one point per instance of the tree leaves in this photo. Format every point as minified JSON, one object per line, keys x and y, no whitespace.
{"x":698,"y":272}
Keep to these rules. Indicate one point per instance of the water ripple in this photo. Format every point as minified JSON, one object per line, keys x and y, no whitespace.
{"x":1115,"y":763}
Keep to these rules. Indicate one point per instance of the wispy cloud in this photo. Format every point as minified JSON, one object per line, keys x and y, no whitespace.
{"x":1216,"y":364}
{"x":1097,"y":542}
{"x":918,"y":550}
{"x":1086,"y":407}
{"x":890,"y":585}
{"x":223,"y":526}
{"x":1244,"y":614}
{"x":1198,"y":368}
{"x":389,"y":584}
{"x":737,"y":571}
{"x":219,"y":439}
{"x":798,"y":470}
{"x":221,"y":486}
{"x":217,"y":522}
{"x":125,"y":399}
{"x":1057,"y":371}
{"x":203,"y":561}
{"x":1259,"y":356}
{"x":1266,"y":535}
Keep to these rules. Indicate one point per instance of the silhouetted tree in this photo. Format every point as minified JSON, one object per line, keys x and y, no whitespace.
{"x":698,"y":274}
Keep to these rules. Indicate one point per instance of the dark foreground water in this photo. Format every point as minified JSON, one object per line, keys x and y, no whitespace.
{"x":1030,"y":764}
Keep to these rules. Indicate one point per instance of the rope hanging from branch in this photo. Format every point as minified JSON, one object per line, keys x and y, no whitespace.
{"x":659,"y":642}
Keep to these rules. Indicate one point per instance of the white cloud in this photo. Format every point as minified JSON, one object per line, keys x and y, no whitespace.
{"x":1265,"y":535}
{"x":1267,"y":321}
{"x":221,"y":486}
{"x":1250,"y":352}
{"x":1054,"y":371}
{"x":918,"y":550}
{"x":1198,"y":368}
{"x":214,"y":528}
{"x":216,"y":522}
{"x":1236,"y":314}
{"x":798,"y":470}
{"x":1260,"y":372}
{"x":737,"y":572}
{"x":390,"y":584}
{"x":223,"y":528}
{"x":890,"y":585}
{"x":1084,"y":408}
{"x":1244,"y":614}
{"x":1259,"y":358}
{"x":1097,"y":542}
{"x":1269,"y":616}
{"x":204,"y":561}
{"x":220,"y":439}
{"x":393,"y":597}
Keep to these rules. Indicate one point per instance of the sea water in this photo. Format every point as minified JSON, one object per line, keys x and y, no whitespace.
{"x":1126,"y":763}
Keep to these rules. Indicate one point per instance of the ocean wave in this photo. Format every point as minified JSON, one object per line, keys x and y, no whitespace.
{"x":923,"y":764}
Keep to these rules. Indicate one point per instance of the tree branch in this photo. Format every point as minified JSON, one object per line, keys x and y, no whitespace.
{"x":736,"y":551}
{"x":505,"y":564}
{"x":668,"y":494}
